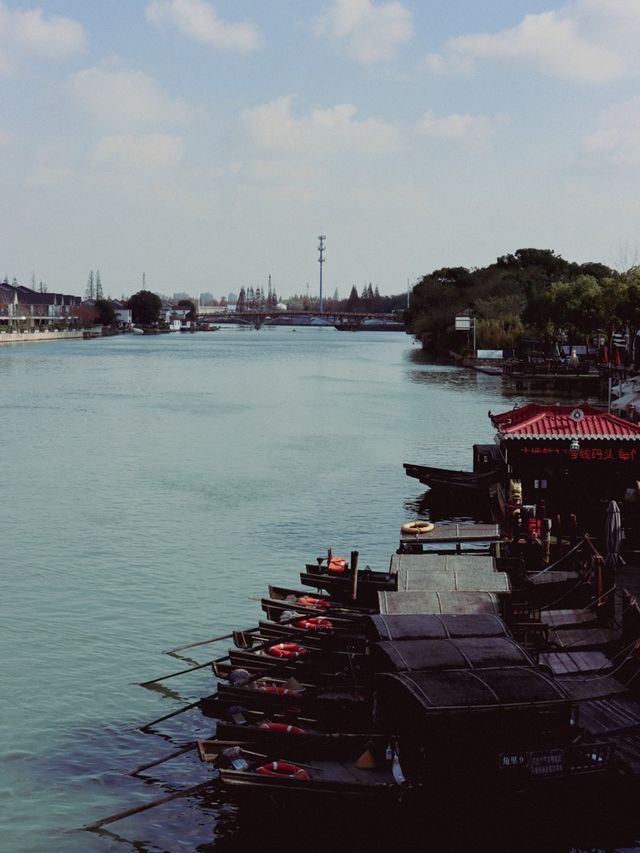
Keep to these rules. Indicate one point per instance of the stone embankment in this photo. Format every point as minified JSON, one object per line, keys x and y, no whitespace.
{"x":33,"y":337}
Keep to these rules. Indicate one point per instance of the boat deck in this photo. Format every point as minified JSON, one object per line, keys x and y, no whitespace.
{"x":453,"y":533}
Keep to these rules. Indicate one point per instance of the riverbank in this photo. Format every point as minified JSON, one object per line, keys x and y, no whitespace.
{"x":37,"y":337}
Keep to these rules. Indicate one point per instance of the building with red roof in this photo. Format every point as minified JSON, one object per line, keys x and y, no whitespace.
{"x":575,"y":459}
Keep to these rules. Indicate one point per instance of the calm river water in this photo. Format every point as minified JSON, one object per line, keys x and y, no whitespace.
{"x":153,"y":487}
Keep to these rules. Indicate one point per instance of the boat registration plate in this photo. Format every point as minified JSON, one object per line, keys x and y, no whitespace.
{"x":549,"y":762}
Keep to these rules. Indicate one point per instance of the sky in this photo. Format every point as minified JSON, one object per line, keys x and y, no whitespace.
{"x":207,"y":143}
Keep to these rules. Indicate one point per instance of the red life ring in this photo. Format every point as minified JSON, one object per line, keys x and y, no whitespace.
{"x":283,"y":768}
{"x":281,"y":727}
{"x":311,"y":601}
{"x":287,"y":650}
{"x":337,"y":565}
{"x":315,"y":623}
{"x":279,"y":691}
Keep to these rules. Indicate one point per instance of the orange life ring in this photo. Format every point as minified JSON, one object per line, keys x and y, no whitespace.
{"x":312,"y":601}
{"x":416,"y":528}
{"x":281,"y":727}
{"x":283,"y":768}
{"x":337,"y":565}
{"x":315,"y":623}
{"x":287,"y":650}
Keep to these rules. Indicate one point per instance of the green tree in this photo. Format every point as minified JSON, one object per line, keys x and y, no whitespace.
{"x":105,"y":313}
{"x":145,"y":307}
{"x":191,"y":309}
{"x":353,"y":302}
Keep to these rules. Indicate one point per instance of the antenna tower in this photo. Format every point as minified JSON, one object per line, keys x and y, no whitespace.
{"x":321,"y":240}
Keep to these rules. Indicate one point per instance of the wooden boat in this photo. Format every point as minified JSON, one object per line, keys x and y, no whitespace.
{"x":354,"y":644}
{"x":445,"y":478}
{"x":340,"y":586}
{"x":344,"y":709}
{"x":296,"y":737}
{"x":339,"y":785}
{"x":283,"y":600}
{"x":356,"y":635}
{"x":312,"y":665}
{"x":456,"y":732}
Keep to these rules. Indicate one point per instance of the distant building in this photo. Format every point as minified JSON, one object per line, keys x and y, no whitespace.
{"x":123,"y":314}
{"x":22,"y":305}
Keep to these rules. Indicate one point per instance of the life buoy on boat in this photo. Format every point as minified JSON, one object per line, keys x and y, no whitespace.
{"x":278,"y":691}
{"x":337,"y":565}
{"x":417,"y":527}
{"x":283,"y":768}
{"x":315,"y":623}
{"x":287,"y":650}
{"x":311,"y":601}
{"x":281,"y":727}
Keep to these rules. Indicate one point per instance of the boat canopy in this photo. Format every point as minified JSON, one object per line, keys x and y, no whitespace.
{"x":427,"y":562}
{"x":469,"y":653}
{"x":436,"y":601}
{"x":434,"y":626}
{"x":409,"y":694}
{"x":459,"y":580}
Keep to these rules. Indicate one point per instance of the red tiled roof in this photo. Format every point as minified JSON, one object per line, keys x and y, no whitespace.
{"x":535,"y":421}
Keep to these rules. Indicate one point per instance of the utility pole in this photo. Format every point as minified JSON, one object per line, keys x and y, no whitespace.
{"x":321,"y":238}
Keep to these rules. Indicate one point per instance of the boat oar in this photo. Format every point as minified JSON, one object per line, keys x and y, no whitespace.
{"x":206,"y":642}
{"x":175,"y":754}
{"x":224,"y":636}
{"x":184,"y":708}
{"x":151,"y":805}
{"x":180,"y":672}
{"x":261,"y":645}
{"x":255,"y":677}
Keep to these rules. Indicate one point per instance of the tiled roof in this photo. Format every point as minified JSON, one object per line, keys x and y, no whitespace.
{"x":535,"y":421}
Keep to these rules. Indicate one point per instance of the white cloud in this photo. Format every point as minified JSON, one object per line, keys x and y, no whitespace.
{"x":336,"y":129}
{"x":586,"y":40}
{"x":617,"y":137}
{"x":27,"y":32}
{"x":472,"y":131}
{"x":198,"y":20}
{"x":50,"y":177}
{"x":372,"y":32}
{"x":149,"y":151}
{"x":125,"y":98}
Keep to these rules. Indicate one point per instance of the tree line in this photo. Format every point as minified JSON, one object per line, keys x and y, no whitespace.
{"x":532,"y":292}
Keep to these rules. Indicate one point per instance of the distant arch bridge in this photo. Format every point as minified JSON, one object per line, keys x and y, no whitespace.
{"x":351,"y":321}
